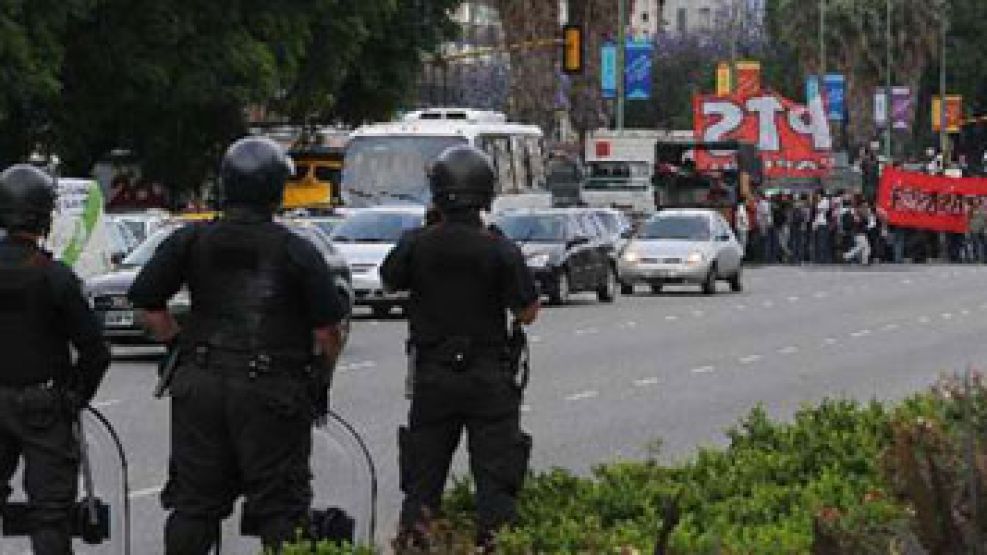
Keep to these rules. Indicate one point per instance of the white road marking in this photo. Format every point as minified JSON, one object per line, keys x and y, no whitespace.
{"x":749,"y":359}
{"x":744,"y":307}
{"x":860,"y":333}
{"x":630,"y":324}
{"x":535,"y":339}
{"x":947,"y":316}
{"x":906,"y":282}
{"x":525,"y":408}
{"x":587,"y":331}
{"x":582,"y":395}
{"x":820,"y":294}
{"x":923,"y":320}
{"x":830,"y":341}
{"x":644,"y":382}
{"x":791,"y":349}
{"x":146,"y":492}
{"x":671,"y":317}
{"x":106,"y":403}
{"x":965,"y":312}
{"x":891,"y":326}
{"x":793,"y":299}
{"x":702,"y":370}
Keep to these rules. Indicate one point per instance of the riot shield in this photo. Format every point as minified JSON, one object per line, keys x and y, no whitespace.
{"x":101,"y":515}
{"x":344,"y":484}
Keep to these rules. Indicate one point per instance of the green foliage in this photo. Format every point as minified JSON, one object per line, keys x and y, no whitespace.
{"x":172,"y":80}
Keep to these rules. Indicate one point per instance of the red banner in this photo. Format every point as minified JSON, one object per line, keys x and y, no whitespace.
{"x":793,"y":140}
{"x":937,"y":203}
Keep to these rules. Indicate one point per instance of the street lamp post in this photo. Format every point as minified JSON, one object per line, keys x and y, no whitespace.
{"x":621,"y":46}
{"x":887,"y":86}
{"x":943,"y":135}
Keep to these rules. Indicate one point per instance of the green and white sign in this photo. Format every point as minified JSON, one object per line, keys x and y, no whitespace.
{"x":78,"y":235}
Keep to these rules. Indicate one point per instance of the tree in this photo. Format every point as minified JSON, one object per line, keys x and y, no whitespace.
{"x":856,"y":44}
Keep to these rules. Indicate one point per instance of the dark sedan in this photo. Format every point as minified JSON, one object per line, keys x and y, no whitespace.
{"x":564,"y":250}
{"x":108,"y":292}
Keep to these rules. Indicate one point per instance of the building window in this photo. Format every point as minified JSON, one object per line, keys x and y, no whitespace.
{"x":705,"y":18}
{"x":681,"y":20}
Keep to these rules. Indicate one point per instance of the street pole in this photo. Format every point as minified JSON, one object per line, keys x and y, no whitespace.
{"x":943,"y":135}
{"x":822,"y":41}
{"x":887,"y":87}
{"x":621,"y":47}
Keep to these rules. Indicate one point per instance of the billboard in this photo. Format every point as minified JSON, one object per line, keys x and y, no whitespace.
{"x":793,"y":140}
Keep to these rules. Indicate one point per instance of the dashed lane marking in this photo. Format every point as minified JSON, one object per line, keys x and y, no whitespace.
{"x":644,"y":382}
{"x":947,"y":316}
{"x":749,"y":359}
{"x":860,"y":333}
{"x":791,"y":349}
{"x":587,"y":331}
{"x":965,"y":312}
{"x":702,"y":370}
{"x":820,"y":294}
{"x":890,"y":327}
{"x":671,"y":317}
{"x":768,"y":304}
{"x":830,"y":341}
{"x":582,"y":395}
{"x":793,"y":299}
{"x":744,"y":307}
{"x":146,"y":492}
{"x":923,"y":320}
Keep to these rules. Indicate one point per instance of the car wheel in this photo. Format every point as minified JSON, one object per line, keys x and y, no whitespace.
{"x":736,"y":281}
{"x":656,"y":288}
{"x":709,"y":284}
{"x":608,"y":291}
{"x":563,"y":289}
{"x":626,"y":289}
{"x":380,"y":310}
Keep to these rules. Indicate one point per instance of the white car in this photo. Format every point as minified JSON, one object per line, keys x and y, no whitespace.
{"x":682,"y":246}
{"x":364,"y":238}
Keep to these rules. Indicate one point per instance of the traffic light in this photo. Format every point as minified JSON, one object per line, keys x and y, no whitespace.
{"x":572,"y":49}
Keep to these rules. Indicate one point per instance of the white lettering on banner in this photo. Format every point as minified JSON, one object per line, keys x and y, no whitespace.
{"x":811,"y":122}
{"x":767,"y":135}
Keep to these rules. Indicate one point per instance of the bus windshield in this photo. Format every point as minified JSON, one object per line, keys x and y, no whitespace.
{"x":382,"y":170}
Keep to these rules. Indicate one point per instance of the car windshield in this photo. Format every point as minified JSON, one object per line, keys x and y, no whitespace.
{"x":376,"y":227}
{"x":145,"y":250}
{"x":379,"y":170}
{"x":695,"y":228}
{"x":533,"y":228}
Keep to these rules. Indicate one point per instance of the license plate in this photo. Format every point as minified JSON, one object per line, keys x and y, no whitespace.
{"x":119,"y":318}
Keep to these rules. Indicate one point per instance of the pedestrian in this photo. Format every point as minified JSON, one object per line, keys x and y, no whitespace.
{"x":244,"y":391}
{"x":462,"y":279}
{"x":870,"y":170}
{"x":821,"y":231}
{"x":978,"y":230}
{"x":781,"y":212}
{"x":800,"y":218}
{"x":860,"y":251}
{"x":43,"y":318}
{"x":742,"y":226}
{"x":766,"y":228}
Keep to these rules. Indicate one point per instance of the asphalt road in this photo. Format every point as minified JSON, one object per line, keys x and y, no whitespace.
{"x":610,"y":379}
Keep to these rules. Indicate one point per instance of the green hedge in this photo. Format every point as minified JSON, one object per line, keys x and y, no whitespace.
{"x":840,"y":477}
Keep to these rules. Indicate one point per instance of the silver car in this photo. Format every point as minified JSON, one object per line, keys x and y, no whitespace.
{"x":682,"y":246}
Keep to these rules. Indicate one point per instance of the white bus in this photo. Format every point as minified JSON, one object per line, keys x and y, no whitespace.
{"x":386,"y":163}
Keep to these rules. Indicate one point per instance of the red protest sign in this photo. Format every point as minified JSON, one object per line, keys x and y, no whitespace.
{"x":921,"y":201}
{"x":793,"y":140}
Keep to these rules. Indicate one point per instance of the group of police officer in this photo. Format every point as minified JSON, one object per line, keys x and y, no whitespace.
{"x":262,"y":330}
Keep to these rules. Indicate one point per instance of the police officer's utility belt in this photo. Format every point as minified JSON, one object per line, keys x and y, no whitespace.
{"x":253,"y":364}
{"x":457,"y":352}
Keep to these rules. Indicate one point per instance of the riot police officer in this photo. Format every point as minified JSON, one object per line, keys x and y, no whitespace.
{"x":42,"y":313}
{"x":463,"y":280}
{"x":262,"y":303}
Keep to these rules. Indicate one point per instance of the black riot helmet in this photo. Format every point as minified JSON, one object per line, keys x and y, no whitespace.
{"x":254,"y":171}
{"x":462,"y":178}
{"x":27,"y":198}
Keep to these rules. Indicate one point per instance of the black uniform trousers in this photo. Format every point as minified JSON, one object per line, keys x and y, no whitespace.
{"x":34,"y":426}
{"x":232,"y":435}
{"x":483,"y":400}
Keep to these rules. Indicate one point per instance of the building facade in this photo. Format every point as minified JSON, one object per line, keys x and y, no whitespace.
{"x":691,"y":16}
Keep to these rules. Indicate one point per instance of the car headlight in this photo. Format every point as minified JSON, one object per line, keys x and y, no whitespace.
{"x":538,"y":260}
{"x":695,"y":258}
{"x":631,"y":257}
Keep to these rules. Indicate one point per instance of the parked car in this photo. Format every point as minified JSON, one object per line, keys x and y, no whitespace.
{"x":616,"y":225}
{"x":364,"y":238}
{"x":564,"y":250}
{"x":108,"y":292}
{"x":141,"y":224}
{"x":682,"y":246}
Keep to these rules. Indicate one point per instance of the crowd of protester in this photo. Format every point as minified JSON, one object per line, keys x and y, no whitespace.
{"x":841,"y":227}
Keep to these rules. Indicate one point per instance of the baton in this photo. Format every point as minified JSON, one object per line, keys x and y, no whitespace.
{"x":87,"y":473}
{"x":166,"y":372}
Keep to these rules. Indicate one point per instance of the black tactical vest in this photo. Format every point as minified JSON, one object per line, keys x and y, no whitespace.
{"x":246,"y":294}
{"x":33,"y":345}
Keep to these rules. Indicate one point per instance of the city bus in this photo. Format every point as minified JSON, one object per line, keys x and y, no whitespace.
{"x":387,"y":163}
